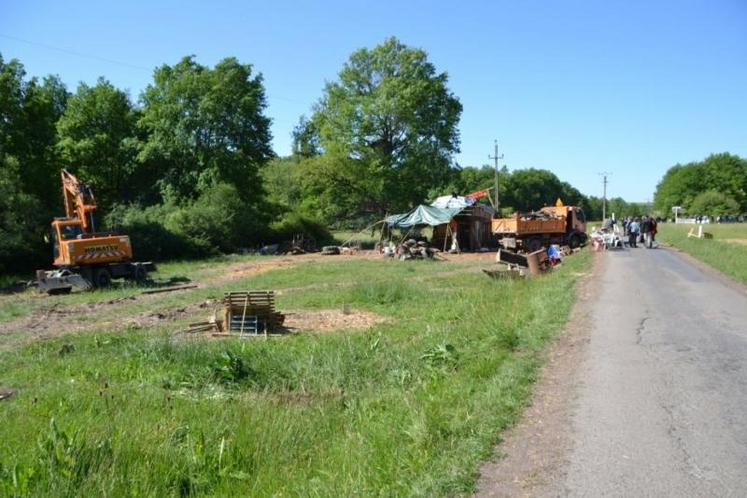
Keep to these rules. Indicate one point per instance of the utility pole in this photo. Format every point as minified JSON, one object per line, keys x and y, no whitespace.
{"x":496,"y":157}
{"x":604,"y":196}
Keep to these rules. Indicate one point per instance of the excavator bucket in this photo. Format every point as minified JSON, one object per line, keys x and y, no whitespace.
{"x":60,"y":281}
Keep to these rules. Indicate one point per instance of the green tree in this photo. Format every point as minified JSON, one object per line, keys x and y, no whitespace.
{"x":681,"y":184}
{"x":29,"y":167}
{"x":22,"y":222}
{"x":390,"y":124}
{"x":97,"y":140}
{"x":205,"y":126}
{"x":713,"y":203}
{"x":29,"y":111}
{"x":531,"y":189}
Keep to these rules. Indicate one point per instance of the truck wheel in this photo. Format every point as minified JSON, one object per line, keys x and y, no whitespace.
{"x":102,"y":278}
{"x":139,"y":274}
{"x":574,"y":241}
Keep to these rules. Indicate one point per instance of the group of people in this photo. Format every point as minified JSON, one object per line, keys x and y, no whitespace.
{"x":640,"y":229}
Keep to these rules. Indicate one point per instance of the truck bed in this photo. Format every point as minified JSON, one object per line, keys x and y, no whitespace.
{"x":525,"y":224}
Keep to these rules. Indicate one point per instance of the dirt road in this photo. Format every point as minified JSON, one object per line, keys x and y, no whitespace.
{"x":657,"y":405}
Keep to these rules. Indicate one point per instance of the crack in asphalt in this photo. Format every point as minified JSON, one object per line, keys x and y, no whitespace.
{"x":687,"y":459}
{"x":639,"y":330}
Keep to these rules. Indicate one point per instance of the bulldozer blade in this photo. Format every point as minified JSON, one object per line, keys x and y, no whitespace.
{"x":60,"y":281}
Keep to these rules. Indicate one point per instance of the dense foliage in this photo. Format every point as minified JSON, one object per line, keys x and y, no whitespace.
{"x":715,"y":186}
{"x":187,"y":168}
{"x":179,"y":171}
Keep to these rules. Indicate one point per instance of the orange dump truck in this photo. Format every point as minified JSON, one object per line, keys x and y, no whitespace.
{"x":559,"y":224}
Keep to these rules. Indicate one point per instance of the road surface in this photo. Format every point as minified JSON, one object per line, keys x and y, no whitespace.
{"x":658,"y":405}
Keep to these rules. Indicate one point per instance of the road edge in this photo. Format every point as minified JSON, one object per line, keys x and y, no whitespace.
{"x":529,"y":460}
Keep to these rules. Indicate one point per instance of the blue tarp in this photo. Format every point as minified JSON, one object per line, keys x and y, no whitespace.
{"x":423,"y":215}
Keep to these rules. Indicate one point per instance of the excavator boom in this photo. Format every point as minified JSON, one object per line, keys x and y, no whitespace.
{"x":80,"y":202}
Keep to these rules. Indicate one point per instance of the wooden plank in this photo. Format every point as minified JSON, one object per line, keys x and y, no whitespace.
{"x":168,"y":289}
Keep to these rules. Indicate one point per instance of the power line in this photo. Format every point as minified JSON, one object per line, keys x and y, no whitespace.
{"x":75,"y":53}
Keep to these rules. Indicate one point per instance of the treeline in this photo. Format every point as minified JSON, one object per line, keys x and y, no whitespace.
{"x":187,"y":169}
{"x":716,"y":186}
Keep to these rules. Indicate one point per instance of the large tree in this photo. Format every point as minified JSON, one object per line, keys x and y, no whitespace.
{"x":29,"y":110}
{"x":97,"y":140}
{"x":29,"y":168}
{"x":389,"y":123}
{"x":204,"y":127}
{"x":681,"y":184}
{"x":530,"y":189}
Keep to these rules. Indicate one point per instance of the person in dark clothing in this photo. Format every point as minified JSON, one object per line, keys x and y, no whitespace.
{"x":633,"y":231}
{"x":646,"y":232}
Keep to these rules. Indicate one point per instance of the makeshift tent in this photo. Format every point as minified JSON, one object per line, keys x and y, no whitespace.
{"x":423,"y":215}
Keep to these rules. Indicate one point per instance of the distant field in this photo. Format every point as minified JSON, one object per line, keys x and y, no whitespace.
{"x":112,"y":402}
{"x":727,"y":251}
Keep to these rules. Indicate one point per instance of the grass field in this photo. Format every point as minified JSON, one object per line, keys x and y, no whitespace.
{"x":114,"y":404}
{"x":727,"y":251}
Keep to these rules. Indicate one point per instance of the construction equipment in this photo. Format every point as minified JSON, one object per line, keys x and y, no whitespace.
{"x":85,"y":258}
{"x":558,"y":224}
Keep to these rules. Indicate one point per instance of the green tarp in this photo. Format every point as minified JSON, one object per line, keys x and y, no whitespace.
{"x":423,"y":215}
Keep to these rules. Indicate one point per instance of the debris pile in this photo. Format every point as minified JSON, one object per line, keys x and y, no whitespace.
{"x":412,"y":249}
{"x":534,"y":263}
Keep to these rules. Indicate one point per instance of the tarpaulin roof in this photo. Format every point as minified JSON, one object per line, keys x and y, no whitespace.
{"x":452,"y":201}
{"x":423,"y":215}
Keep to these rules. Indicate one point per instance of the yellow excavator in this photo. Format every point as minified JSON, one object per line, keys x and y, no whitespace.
{"x":83,"y":257}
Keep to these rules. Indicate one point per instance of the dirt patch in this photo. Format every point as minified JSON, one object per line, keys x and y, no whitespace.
{"x":741,"y":242}
{"x":330,"y":320}
{"x":59,"y":319}
{"x":531,"y":455}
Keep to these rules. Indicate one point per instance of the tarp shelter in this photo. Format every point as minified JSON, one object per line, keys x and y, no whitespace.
{"x":453,"y":215}
{"x":423,"y":215}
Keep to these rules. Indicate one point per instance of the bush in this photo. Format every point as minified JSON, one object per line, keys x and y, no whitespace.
{"x":219,"y":220}
{"x":150,"y":239}
{"x":293,"y":223}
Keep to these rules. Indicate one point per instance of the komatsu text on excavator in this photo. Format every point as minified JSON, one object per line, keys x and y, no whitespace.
{"x":85,"y":258}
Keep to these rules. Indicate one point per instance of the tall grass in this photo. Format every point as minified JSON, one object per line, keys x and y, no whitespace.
{"x":408,"y":407}
{"x":726,"y":252}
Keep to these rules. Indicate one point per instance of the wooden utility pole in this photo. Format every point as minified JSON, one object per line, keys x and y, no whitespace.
{"x":495,"y":157}
{"x":604,"y":195}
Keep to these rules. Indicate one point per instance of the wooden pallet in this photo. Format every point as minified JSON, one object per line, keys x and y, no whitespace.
{"x":239,"y":306}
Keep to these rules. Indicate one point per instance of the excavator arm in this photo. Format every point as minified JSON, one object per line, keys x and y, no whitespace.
{"x":80,"y":202}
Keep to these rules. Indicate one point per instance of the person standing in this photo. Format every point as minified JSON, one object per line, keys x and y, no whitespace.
{"x":646,"y":231}
{"x":633,"y":230}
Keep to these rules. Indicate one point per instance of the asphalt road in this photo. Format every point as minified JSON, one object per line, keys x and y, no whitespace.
{"x":660,"y":408}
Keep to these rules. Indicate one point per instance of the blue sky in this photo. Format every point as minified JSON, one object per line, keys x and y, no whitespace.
{"x":628,"y":87}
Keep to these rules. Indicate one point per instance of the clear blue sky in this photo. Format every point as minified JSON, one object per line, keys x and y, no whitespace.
{"x":629,"y":87}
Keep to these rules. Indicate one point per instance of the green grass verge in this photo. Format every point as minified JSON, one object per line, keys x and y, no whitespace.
{"x":406,"y":408}
{"x":724,"y":252}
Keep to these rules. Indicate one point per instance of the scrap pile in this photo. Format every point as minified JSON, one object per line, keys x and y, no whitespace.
{"x":412,"y":249}
{"x":540,"y":215}
{"x":247,"y":313}
{"x":534,"y":263}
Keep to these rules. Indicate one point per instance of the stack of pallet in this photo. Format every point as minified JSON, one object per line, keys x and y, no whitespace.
{"x":250,"y":312}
